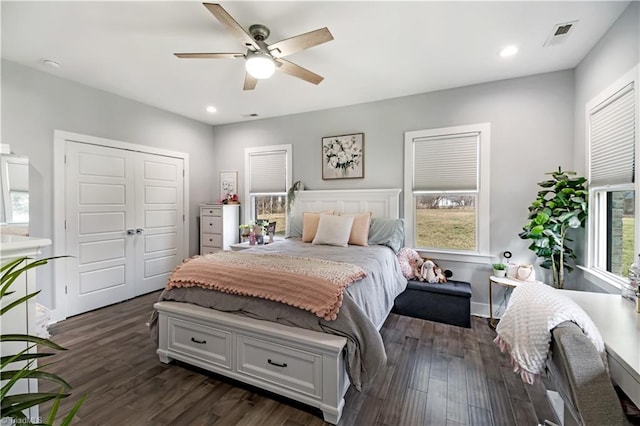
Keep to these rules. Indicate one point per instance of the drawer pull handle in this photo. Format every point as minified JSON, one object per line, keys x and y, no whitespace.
{"x":283,"y":365}
{"x":202,"y":342}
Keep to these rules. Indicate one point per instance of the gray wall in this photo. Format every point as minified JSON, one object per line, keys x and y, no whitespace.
{"x":34,"y":104}
{"x":531,"y":133}
{"x":615,"y":54}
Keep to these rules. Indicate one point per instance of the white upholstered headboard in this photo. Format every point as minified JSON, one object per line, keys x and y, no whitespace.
{"x":383,"y":203}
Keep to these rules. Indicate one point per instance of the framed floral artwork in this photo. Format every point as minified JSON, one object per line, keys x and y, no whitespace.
{"x":228,"y":184}
{"x":343,"y":156}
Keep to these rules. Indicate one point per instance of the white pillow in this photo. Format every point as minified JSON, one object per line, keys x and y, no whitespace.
{"x":333,"y":230}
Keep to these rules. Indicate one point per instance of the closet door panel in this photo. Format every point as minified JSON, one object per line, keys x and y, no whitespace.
{"x":159,"y":208}
{"x":99,"y":211}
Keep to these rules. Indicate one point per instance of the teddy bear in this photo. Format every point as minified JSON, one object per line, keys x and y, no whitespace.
{"x":407,"y":258}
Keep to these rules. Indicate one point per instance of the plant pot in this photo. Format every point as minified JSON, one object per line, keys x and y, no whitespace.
{"x":500,"y":273}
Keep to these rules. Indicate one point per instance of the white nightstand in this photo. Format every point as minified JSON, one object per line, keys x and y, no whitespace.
{"x":501,"y":281}
{"x":246,"y":245}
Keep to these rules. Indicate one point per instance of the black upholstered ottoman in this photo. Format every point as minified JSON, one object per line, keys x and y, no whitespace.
{"x":449,"y":302}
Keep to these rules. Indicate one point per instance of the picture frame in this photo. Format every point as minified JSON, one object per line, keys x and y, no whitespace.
{"x":343,"y":156}
{"x":228,"y":184}
{"x":271,"y":228}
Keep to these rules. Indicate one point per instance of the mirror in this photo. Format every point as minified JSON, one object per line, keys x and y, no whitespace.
{"x":14,"y":196}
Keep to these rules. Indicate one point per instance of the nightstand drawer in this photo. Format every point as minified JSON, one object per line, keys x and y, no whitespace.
{"x":282,"y":365}
{"x":209,"y":250}
{"x":211,"y":211}
{"x":211,"y":224}
{"x":211,"y":240}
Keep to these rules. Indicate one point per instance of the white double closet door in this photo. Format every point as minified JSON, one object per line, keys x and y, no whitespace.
{"x":124,"y":223}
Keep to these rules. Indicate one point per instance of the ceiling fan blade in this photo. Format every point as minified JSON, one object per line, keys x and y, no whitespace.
{"x":297,"y":71}
{"x":300,"y":42}
{"x":209,"y":55}
{"x":249,"y":82}
{"x":231,"y":25}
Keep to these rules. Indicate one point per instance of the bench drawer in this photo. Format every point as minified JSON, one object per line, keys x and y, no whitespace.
{"x":281,"y":365}
{"x":198,"y":341}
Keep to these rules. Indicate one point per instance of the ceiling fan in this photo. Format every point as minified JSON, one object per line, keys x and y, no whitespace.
{"x":262,"y":59}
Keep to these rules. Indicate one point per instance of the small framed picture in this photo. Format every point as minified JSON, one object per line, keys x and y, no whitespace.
{"x":228,"y":184}
{"x":343,"y":156}
{"x":271,"y":229}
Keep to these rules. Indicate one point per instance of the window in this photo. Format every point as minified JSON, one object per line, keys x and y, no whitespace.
{"x":612,"y":140}
{"x":267,"y":177}
{"x":447,"y":190}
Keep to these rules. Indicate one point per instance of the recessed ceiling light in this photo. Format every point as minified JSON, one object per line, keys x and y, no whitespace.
{"x":51,"y":63}
{"x":508,"y":51}
{"x":211,"y":109}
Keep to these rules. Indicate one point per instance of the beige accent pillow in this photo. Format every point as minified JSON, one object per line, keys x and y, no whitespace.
{"x":310,"y":224}
{"x":333,"y":230}
{"x":360,"y":229}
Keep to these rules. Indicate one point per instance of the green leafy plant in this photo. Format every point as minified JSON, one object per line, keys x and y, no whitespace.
{"x":499,"y":266}
{"x":13,"y":405}
{"x":561,"y":205}
{"x":245,"y":228}
{"x":291,"y":193}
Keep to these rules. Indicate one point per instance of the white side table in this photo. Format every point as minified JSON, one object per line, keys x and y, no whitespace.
{"x":501,"y":281}
{"x":245,"y":245}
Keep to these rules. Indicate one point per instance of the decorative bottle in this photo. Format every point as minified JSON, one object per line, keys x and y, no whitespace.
{"x":629,"y":290}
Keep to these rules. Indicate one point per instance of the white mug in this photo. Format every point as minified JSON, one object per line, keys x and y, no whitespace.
{"x":512,"y":270}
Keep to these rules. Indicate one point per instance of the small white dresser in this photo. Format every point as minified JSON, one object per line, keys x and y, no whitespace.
{"x":22,"y":318}
{"x":219,"y":227}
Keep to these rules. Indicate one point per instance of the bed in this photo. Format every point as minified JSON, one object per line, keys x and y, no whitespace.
{"x":284,"y":349}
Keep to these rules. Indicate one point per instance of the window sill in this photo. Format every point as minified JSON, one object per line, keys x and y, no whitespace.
{"x":601,"y":280}
{"x":456,"y":256}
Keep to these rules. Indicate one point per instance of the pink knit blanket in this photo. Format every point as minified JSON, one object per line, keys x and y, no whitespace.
{"x":314,"y":285}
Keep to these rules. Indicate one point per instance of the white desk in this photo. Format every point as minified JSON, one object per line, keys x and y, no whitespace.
{"x":22,"y":318}
{"x":619,"y":325}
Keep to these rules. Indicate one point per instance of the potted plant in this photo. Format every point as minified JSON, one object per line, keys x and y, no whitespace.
{"x":245,"y":230}
{"x":499,"y":270}
{"x":561,"y":205}
{"x":291,"y":193}
{"x":14,"y":405}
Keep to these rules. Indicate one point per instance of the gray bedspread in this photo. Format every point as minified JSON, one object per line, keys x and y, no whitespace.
{"x":365,"y":306}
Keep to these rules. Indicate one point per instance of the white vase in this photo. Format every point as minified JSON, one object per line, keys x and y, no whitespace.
{"x":500,"y":273}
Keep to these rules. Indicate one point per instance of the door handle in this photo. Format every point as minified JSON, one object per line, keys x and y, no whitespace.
{"x":130,"y":232}
{"x":139,"y":231}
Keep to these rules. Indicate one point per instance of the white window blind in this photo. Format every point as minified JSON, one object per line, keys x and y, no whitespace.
{"x":446,"y":163}
{"x":268,"y":171}
{"x":18,"y":176}
{"x":613,"y":131}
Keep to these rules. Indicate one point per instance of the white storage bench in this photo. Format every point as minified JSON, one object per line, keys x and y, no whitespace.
{"x":303,"y":365}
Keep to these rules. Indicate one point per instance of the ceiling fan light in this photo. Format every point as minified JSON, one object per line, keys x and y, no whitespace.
{"x":260,"y":66}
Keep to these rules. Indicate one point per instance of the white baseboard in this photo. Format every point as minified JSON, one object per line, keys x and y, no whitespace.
{"x":482,"y":310}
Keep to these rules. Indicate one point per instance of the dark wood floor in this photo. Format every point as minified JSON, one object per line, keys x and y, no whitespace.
{"x":436,"y":375}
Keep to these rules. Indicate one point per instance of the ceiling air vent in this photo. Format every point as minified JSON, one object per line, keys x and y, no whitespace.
{"x":560,"y":33}
{"x":253,"y":114}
